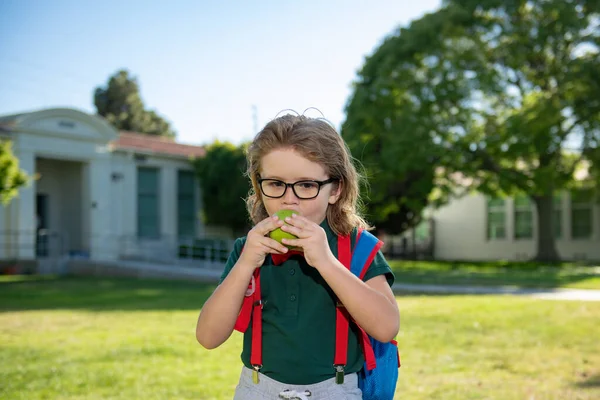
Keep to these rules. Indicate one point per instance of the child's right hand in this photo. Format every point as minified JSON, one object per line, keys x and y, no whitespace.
{"x":258,"y":244}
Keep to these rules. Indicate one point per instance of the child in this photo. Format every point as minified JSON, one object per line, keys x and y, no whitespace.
{"x":300,"y":164}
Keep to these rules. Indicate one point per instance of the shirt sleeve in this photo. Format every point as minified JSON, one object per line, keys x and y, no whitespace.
{"x":379,"y":266}
{"x":238,"y":245}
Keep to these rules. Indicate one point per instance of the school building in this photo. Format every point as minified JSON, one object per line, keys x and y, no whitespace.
{"x":476,"y":227}
{"x":105,"y":196}
{"x":99,"y":194}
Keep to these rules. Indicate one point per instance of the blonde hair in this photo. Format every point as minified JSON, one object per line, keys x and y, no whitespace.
{"x":318,"y":142}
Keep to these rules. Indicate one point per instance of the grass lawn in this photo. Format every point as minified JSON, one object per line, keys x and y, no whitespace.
{"x":522,"y":274}
{"x":84,"y":338}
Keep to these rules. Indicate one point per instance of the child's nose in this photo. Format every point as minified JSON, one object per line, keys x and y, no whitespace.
{"x":290,"y":196}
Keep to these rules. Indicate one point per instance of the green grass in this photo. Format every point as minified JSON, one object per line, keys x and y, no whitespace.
{"x":498,"y":273}
{"x":84,"y":338}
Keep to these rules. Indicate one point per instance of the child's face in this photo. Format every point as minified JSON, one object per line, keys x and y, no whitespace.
{"x":289,"y":166}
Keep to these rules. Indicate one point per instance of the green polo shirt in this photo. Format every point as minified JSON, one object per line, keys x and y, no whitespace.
{"x":299,"y":318}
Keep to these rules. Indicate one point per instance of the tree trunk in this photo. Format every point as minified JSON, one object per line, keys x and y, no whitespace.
{"x":546,"y":246}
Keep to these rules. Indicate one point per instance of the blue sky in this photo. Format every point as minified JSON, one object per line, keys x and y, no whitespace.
{"x":202,"y":65}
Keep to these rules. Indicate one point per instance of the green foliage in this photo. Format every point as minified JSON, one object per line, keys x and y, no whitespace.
{"x":385,"y":128}
{"x":497,"y":94}
{"x":224,"y":185}
{"x":381,"y":133}
{"x":120,"y":103}
{"x":11,"y":177}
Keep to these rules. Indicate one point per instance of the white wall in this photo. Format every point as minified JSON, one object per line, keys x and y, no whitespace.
{"x":58,"y":147}
{"x":49,"y":184}
{"x":71,"y":125}
{"x":72,"y":204}
{"x":124,"y":203}
{"x":61,"y":182}
{"x":460,"y":233}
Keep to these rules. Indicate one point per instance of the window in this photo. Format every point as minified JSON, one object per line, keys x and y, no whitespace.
{"x":557,"y":215}
{"x":523,"y":218}
{"x":581,"y":214}
{"x":186,"y":204}
{"x":422,"y":230}
{"x":496,"y":219}
{"x":148,"y":203}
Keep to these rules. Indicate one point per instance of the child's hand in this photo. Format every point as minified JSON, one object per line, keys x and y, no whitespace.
{"x":258,"y":245}
{"x":311,"y":238}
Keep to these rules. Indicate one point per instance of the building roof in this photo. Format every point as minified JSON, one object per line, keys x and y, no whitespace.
{"x":139,"y":142}
{"x":7,"y":121}
{"x":123,"y":140}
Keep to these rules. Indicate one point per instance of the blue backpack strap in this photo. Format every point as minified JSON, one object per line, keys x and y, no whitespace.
{"x":363,"y":250}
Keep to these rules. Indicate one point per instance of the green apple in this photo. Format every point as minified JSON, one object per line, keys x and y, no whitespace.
{"x":278,"y":234}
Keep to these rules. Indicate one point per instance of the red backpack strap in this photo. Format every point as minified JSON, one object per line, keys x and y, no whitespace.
{"x":252,"y":310}
{"x":345,"y":256}
{"x":243,"y":320}
{"x":257,"y":306}
{"x":367,"y":349}
{"x":341,"y":317}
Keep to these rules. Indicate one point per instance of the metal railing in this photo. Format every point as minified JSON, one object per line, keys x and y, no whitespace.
{"x":40,"y":244}
{"x":415,"y":244}
{"x":54,"y":247}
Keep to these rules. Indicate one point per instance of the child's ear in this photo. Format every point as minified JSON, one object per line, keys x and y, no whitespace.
{"x":336,"y":192}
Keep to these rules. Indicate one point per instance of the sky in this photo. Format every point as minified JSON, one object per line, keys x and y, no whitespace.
{"x":213,"y":69}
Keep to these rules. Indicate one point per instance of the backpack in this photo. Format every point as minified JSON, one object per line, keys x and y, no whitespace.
{"x":378,"y":377}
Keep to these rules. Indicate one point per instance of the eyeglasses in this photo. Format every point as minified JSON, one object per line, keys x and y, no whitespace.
{"x":305,"y":190}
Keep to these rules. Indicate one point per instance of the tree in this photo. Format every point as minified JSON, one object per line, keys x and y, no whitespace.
{"x":221,"y":173}
{"x":384,"y":130}
{"x":11,"y":177}
{"x":398,"y":187}
{"x":506,"y":90}
{"x":120,"y":103}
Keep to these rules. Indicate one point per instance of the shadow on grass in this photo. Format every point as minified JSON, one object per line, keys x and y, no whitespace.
{"x":101,"y":294}
{"x":589,"y":382}
{"x":497,"y":273}
{"x":30,"y":293}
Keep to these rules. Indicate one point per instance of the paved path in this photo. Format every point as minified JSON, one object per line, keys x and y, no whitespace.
{"x":548,"y":294}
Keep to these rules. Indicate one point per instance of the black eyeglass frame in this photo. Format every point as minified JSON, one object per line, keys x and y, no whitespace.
{"x":291,"y":185}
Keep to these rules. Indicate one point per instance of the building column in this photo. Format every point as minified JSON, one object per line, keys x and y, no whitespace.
{"x":167,"y":193}
{"x":104,"y":244}
{"x":510,"y":219}
{"x":24,"y":204}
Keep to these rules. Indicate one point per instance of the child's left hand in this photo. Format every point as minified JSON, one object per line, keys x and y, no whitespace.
{"x":311,"y":238}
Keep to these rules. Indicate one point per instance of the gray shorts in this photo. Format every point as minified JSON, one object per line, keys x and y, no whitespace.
{"x":270,"y":389}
